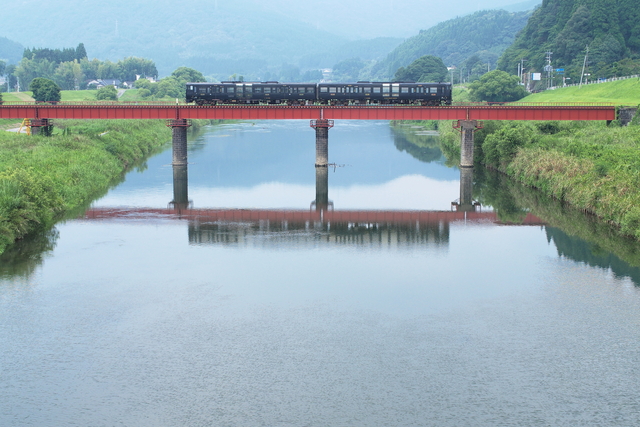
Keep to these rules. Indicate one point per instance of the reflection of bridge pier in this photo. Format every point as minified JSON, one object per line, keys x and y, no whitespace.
{"x":466,"y":202}
{"x":322,"y":202}
{"x":180,"y":187}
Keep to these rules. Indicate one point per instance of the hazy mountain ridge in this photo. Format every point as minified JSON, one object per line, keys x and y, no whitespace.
{"x":486,"y":33}
{"x":222,"y":36}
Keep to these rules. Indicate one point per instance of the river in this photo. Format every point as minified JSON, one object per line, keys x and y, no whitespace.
{"x":487,"y":312}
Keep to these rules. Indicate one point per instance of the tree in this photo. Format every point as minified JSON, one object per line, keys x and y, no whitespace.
{"x":12,"y":80}
{"x":170,"y":87}
{"x":68,"y":75}
{"x":81,"y":52}
{"x":3,"y":65}
{"x":107,"y":93}
{"x":497,"y":86}
{"x":348,"y":70}
{"x":188,"y":75}
{"x":45,"y":90}
{"x":131,"y":67}
{"x":425,"y":69}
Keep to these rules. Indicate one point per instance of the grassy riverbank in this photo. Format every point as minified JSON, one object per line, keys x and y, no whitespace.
{"x":589,"y":165}
{"x":592,"y":167}
{"x":43,"y":178}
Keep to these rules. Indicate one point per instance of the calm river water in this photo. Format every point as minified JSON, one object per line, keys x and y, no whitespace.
{"x":129,"y":316}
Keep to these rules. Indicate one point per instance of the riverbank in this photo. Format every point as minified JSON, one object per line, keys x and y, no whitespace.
{"x":591,"y":166}
{"x":44,"y":178}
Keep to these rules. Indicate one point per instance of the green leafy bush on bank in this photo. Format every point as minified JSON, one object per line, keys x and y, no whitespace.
{"x":41,"y":178}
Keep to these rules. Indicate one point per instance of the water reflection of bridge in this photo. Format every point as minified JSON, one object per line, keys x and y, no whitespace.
{"x":394,"y":229}
{"x":320,"y":224}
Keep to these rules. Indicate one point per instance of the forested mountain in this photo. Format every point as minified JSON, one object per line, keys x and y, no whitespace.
{"x":483,"y":35}
{"x":611,"y":29}
{"x":10,"y":51}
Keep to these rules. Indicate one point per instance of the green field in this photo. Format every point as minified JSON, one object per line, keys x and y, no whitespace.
{"x":621,"y":92}
{"x":80,"y":96}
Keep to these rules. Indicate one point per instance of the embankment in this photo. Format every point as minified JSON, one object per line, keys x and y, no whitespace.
{"x":591,"y":166}
{"x":44,"y":178}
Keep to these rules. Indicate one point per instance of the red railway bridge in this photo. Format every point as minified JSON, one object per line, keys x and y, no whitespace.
{"x":468,"y":117}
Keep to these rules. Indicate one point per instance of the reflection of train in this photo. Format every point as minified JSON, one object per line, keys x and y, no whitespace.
{"x":321,"y":93}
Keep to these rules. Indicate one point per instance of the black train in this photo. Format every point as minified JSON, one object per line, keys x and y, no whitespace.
{"x":323,"y":93}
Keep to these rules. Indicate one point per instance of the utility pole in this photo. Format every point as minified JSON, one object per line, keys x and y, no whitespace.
{"x":548,"y":69}
{"x":584,"y":64}
{"x":521,"y":70}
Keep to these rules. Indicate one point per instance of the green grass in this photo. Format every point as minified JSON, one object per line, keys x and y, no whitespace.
{"x":130,"y":95}
{"x":44,"y":178}
{"x":621,"y":92}
{"x":78,"y":96}
{"x":16,"y":97}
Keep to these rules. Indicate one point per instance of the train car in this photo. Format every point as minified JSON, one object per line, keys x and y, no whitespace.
{"x":433,"y":94}
{"x":251,"y":93}
{"x":384,"y":93}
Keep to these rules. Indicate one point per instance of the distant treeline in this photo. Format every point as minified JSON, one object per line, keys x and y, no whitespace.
{"x":71,"y":69}
{"x":56,"y":55}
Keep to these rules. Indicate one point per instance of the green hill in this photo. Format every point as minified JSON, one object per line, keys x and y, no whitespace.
{"x":621,"y":92}
{"x":485,"y":34}
{"x":610,"y":28}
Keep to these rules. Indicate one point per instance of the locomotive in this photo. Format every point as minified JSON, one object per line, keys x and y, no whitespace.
{"x":360,"y":93}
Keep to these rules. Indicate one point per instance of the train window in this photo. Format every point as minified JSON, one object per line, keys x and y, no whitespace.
{"x":267,"y":90}
{"x":231,"y":89}
{"x":324,"y":89}
{"x":366,"y":89}
{"x":385,"y":89}
{"x":395,"y":89}
{"x":332,"y":89}
{"x":257,"y":90}
{"x":376,"y":90}
{"x":433,"y":89}
{"x":311,"y":89}
{"x":405,"y":90}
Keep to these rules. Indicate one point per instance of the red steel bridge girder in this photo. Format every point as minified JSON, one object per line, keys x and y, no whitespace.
{"x":282,"y":112}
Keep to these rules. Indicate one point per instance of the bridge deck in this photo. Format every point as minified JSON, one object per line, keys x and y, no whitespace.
{"x":513,"y":111}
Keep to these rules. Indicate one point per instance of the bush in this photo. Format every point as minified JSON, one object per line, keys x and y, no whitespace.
{"x":500,"y":147}
{"x":107,"y":93}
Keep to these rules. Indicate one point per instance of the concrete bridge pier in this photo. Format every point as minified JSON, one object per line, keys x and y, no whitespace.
{"x":322,"y":141}
{"x":467,"y":128}
{"x":41,"y":127}
{"x":626,"y":115}
{"x":179,"y":140}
